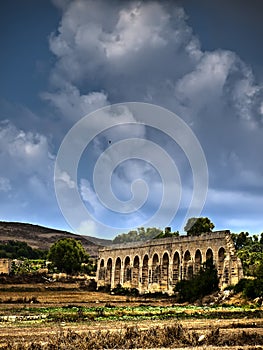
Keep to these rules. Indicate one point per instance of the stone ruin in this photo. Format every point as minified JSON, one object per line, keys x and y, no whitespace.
{"x":157,"y":265}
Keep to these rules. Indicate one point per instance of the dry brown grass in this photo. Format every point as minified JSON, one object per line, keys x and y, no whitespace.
{"x":132,"y":337}
{"x":202,"y":333}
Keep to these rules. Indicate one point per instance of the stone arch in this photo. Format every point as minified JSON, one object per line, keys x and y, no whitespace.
{"x":135,"y":272}
{"x":155,"y":268}
{"x":209,"y":257}
{"x":102,"y":270}
{"x":117,"y":272}
{"x":145,"y":271}
{"x":188,"y":266}
{"x":108,"y":272}
{"x":176,"y":268}
{"x":198,"y":261}
{"x":127,"y":270}
{"x":165,"y":271}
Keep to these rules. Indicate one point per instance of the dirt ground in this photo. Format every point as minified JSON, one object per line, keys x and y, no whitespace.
{"x":60,"y":294}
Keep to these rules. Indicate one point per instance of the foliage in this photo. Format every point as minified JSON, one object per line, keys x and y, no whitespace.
{"x":196,"y":226}
{"x":27,"y":266}
{"x":167,"y":233}
{"x":141,"y":234}
{"x":204,"y":283}
{"x":250,"y":288}
{"x":119,"y":290}
{"x":253,"y":287}
{"x":242,"y":239}
{"x":249,"y":250}
{"x":20,"y":250}
{"x":67,"y":255}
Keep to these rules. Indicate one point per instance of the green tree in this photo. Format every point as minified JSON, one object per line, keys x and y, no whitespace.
{"x":141,"y":234}
{"x":249,"y":250}
{"x":20,"y":250}
{"x":196,"y":226}
{"x":67,"y":254}
{"x":242,"y":239}
{"x":252,"y":288}
{"x":167,"y":233}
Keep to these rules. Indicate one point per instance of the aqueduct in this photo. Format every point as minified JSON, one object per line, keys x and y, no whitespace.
{"x":157,"y":265}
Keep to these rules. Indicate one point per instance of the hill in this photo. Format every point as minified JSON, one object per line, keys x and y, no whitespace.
{"x":43,"y":237}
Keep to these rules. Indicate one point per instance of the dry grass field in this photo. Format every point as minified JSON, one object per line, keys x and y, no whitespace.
{"x":65,"y":316}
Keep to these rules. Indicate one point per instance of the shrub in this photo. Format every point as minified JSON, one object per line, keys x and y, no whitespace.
{"x":250,"y":288}
{"x":204,"y":283}
{"x":119,"y":290}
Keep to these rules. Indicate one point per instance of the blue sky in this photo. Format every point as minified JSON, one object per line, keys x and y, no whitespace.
{"x":61,"y":60}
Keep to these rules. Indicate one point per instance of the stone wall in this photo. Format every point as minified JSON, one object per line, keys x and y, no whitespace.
{"x":157,"y":265}
{"x":5,"y":266}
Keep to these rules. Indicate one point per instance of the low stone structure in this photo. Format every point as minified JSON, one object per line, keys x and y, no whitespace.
{"x":5,"y":266}
{"x":157,"y":265}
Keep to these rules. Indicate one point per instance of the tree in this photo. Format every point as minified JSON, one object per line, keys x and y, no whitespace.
{"x":196,"y":226}
{"x":20,"y":250}
{"x":67,"y":254}
{"x":241,"y":239}
{"x":249,"y":250}
{"x":167,"y":233}
{"x":137,"y":235}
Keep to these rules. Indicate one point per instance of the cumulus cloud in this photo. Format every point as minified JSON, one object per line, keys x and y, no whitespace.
{"x":107,"y":52}
{"x":72,"y":105}
{"x":26,"y":173}
{"x":145,"y":51}
{"x":116,"y":48}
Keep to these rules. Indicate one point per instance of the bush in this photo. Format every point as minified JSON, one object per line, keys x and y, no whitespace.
{"x":204,"y":283}
{"x":250,"y":288}
{"x":119,"y":290}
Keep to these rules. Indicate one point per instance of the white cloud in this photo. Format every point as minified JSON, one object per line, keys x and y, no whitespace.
{"x":26,"y":178}
{"x":207,"y":79}
{"x":28,"y":152}
{"x":90,"y":197}
{"x":145,"y":51}
{"x":64,"y":179}
{"x":88,"y":227}
{"x":118,"y":47}
{"x":148,"y":20}
{"x":72,"y":105}
{"x":5,"y":185}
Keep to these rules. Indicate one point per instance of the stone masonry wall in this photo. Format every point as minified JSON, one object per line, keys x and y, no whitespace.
{"x":5,"y":266}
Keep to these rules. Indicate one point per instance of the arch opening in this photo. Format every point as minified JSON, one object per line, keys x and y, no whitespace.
{"x":198,"y":261}
{"x":155,"y":269}
{"x":188,"y":266}
{"x":220,"y":266}
{"x":209,"y":258}
{"x":176,"y":268}
{"x":145,"y":271}
{"x":135,"y":272}
{"x":165,"y":272}
{"x":117,"y":275}
{"x":127,"y":270}
{"x":102,"y":270}
{"x":108,"y":272}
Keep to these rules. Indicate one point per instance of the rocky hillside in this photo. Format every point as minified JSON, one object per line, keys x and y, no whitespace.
{"x":43,"y":237}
